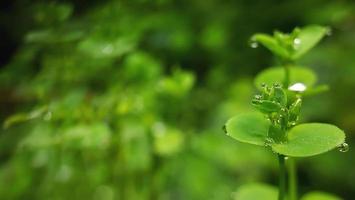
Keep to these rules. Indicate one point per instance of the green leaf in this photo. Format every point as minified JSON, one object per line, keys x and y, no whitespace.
{"x":178,"y":84}
{"x":256,"y":191}
{"x":270,"y":43}
{"x":167,"y":141}
{"x":23,"y":117}
{"x":308,"y":37}
{"x":266,"y":106}
{"x":280,"y":96}
{"x":319,"y":196}
{"x":310,"y":139}
{"x":50,"y":36}
{"x":277,"y":75}
{"x":95,"y":135}
{"x":294,"y":110}
{"x":316,"y":90}
{"x":105,"y":48}
{"x":275,"y":134}
{"x":250,"y":128}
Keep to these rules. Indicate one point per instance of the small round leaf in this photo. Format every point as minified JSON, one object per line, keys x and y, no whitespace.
{"x":319,"y":196}
{"x":277,"y":75}
{"x":254,"y":191}
{"x":310,"y":139}
{"x":250,"y":128}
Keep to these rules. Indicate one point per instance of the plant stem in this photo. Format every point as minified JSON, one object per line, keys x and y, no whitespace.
{"x":291,"y":170}
{"x":287,"y":76}
{"x":282,"y":177}
{"x":292,"y":179}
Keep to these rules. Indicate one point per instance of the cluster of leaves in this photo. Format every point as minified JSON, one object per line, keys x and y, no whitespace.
{"x":281,"y":111}
{"x":262,"y":191}
{"x":98,"y":109}
{"x":99,"y":101}
{"x":278,"y":131}
{"x":294,"y":45}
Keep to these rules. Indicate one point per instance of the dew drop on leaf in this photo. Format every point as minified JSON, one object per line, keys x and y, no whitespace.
{"x":298,"y":87}
{"x":343,"y":147}
{"x":256,"y":100}
{"x":296,"y":42}
{"x":258,"y":97}
{"x":253,"y":44}
{"x":268,"y":142}
{"x":292,"y":124}
{"x":277,"y":85}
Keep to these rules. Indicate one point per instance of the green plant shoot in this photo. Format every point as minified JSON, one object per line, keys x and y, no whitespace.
{"x":282,"y":88}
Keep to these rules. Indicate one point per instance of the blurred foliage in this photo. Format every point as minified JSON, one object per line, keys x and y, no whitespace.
{"x":267,"y":192}
{"x":126,"y":99}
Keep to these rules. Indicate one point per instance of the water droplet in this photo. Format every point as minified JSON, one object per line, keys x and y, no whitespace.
{"x":286,"y":157}
{"x":343,"y":147}
{"x":253,"y":44}
{"x":329,"y":31}
{"x":298,"y":87}
{"x":296,"y":42}
{"x":258,"y":97}
{"x":277,"y":85}
{"x":224,"y":128}
{"x":292,"y":124}
{"x":268,"y":142}
{"x":256,"y":100}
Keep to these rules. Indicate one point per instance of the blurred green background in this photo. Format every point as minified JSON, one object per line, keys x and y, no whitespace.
{"x":126,"y":99}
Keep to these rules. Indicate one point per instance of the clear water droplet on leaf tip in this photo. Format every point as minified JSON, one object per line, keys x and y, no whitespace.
{"x":297,"y":42}
{"x":343,"y":147}
{"x":253,"y":44}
